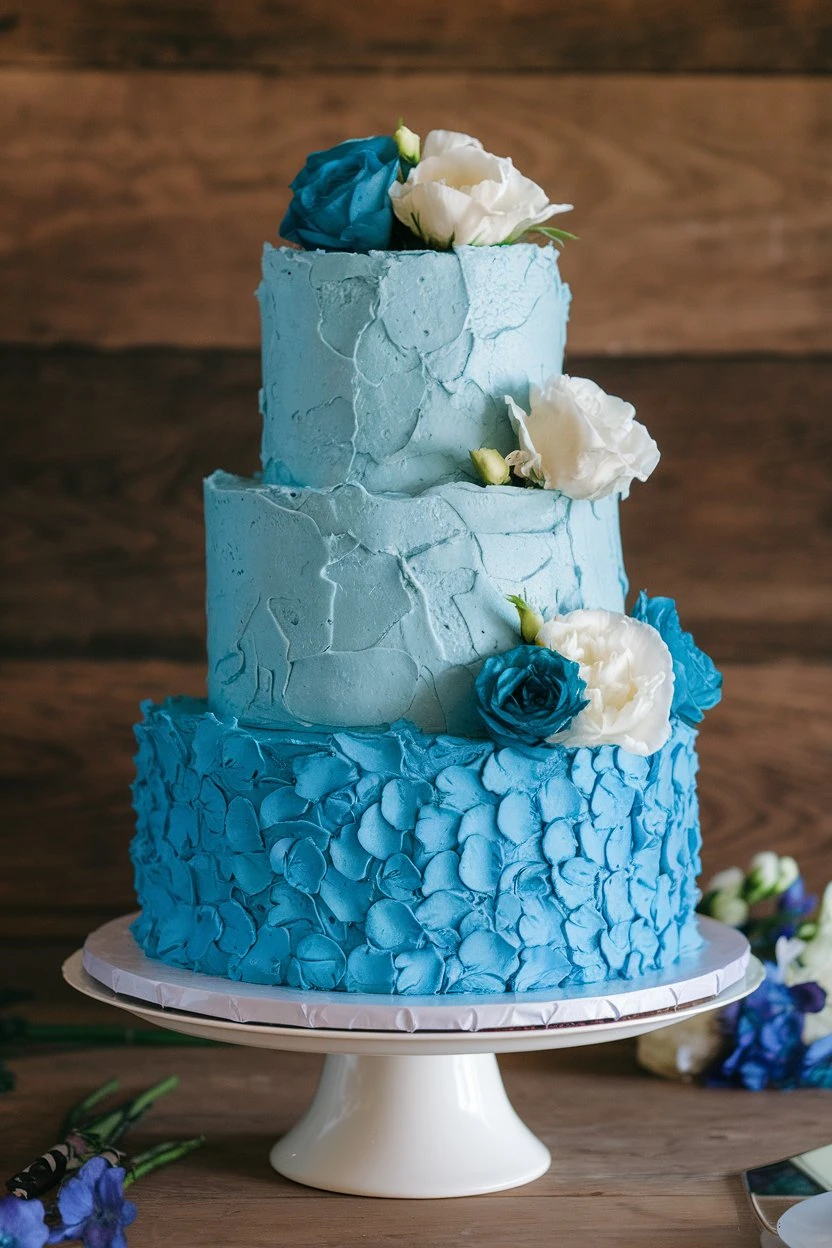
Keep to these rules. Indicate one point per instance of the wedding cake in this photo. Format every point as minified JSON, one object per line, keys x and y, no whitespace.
{"x":437,"y":755}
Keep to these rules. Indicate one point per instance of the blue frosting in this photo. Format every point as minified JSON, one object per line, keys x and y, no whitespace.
{"x":386,"y":369}
{"x":403,"y":862}
{"x":341,"y":608}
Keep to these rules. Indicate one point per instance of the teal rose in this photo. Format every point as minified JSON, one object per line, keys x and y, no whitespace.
{"x":341,"y":200}
{"x":528,"y":695}
{"x":697,"y":685}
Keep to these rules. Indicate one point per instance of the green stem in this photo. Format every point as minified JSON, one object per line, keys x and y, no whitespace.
{"x":161,"y":1155}
{"x":76,"y":1116}
{"x":112,"y":1126}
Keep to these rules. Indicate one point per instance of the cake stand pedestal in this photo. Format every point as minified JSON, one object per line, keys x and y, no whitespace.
{"x":410,"y":1101}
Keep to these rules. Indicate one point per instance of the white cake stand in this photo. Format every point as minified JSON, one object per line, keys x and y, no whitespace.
{"x":410,"y":1101}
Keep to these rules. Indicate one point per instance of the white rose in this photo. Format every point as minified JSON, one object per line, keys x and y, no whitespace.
{"x":580,"y":441}
{"x":628,"y":672}
{"x":459,"y":195}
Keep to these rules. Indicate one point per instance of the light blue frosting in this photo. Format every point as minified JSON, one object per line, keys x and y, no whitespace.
{"x":402,"y":862}
{"x":341,"y":608}
{"x":386,"y":369}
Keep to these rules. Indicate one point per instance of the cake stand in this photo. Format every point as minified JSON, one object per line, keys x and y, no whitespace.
{"x":410,"y":1101}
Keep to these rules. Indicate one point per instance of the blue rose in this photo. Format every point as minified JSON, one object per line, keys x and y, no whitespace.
{"x":529,"y":694}
{"x":697,"y":683}
{"x":341,"y":200}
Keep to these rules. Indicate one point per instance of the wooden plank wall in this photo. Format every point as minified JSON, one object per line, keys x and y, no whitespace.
{"x":146,"y":151}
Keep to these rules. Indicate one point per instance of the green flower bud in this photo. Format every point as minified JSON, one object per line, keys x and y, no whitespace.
{"x":531,"y":621}
{"x":408,"y":143}
{"x":491,"y":468}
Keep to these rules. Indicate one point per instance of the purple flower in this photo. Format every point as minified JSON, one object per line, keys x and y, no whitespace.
{"x":93,"y":1208}
{"x":22,"y":1223}
{"x":766,"y":1031}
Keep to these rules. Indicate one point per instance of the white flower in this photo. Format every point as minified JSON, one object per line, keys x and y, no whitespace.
{"x":728,"y":909}
{"x":581,"y":441}
{"x":728,"y":881}
{"x":459,"y":195}
{"x":628,"y":672}
{"x":787,"y":875}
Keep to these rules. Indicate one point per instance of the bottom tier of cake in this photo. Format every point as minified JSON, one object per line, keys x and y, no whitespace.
{"x":397,"y":862}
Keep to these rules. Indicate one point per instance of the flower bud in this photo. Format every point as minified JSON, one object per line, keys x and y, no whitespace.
{"x":761,"y":881}
{"x":531,"y":621}
{"x":731,"y":910}
{"x":788,"y":874}
{"x":728,"y":881}
{"x":408,"y":143}
{"x":491,"y":468}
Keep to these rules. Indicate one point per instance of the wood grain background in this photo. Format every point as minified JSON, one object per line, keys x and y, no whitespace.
{"x":146,"y":151}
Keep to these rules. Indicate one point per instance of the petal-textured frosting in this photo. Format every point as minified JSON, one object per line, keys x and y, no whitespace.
{"x":403,"y":862}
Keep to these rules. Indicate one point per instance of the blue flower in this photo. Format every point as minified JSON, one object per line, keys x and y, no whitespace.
{"x":697,"y":683}
{"x":341,"y":200}
{"x":766,"y":1036}
{"x":93,"y":1208}
{"x":529,"y":694}
{"x":22,"y":1223}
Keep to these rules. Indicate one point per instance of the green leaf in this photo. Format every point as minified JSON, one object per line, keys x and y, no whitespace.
{"x":556,"y":236}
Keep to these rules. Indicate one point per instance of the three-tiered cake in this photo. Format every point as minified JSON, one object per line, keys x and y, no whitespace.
{"x":436,"y":755}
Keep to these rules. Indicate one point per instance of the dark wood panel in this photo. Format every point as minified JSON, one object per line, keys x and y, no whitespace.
{"x":780,"y":35}
{"x":133,"y":206}
{"x":66,"y":747}
{"x":101,"y":524}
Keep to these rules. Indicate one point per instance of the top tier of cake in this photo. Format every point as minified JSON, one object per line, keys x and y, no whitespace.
{"x":384,"y":370}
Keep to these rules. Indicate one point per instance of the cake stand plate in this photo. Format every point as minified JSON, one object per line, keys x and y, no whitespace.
{"x":419,"y":1113}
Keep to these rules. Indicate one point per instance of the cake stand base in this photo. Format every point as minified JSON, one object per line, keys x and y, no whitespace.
{"x":409,"y":1108}
{"x":427,"y":1127}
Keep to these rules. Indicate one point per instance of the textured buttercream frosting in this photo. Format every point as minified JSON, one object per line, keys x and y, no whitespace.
{"x":386,"y":369}
{"x":342,"y":608}
{"x":409,"y":863}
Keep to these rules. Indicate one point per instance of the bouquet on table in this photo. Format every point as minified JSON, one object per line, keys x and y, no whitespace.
{"x":89,"y":1172}
{"x":781,"y":1035}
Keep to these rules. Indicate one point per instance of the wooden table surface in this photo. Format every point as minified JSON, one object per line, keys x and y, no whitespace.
{"x":637,"y":1162}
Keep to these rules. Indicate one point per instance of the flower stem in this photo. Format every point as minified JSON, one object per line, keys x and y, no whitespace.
{"x":160,"y":1155}
{"x":75,"y":1116}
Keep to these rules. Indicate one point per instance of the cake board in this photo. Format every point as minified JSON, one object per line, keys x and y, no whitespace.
{"x":410,"y":1103}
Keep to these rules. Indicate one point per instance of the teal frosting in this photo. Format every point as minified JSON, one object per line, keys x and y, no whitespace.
{"x":386,"y":369}
{"x":403,"y":862}
{"x":341,"y":608}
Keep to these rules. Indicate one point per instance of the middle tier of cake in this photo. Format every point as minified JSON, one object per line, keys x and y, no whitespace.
{"x":341,"y":608}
